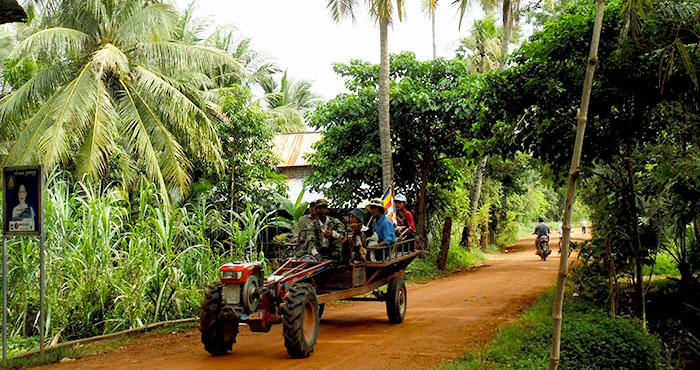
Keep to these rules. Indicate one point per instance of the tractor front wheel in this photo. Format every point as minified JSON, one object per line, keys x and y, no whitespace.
{"x":300,"y":319}
{"x":396,"y":300}
{"x":218,"y":331}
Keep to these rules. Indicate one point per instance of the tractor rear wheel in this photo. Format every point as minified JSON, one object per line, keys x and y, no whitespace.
{"x":396,"y":300}
{"x":218,"y":331}
{"x":300,"y":320}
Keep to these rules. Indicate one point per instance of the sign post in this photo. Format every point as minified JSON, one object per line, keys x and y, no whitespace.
{"x":23,"y":215}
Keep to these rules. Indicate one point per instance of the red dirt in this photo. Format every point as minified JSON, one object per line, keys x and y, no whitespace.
{"x":445,"y":318}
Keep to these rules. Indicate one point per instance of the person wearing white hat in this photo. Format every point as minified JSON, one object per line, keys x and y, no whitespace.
{"x":405,"y":218}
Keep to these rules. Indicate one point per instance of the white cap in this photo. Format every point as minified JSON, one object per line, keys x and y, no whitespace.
{"x":400,"y":198}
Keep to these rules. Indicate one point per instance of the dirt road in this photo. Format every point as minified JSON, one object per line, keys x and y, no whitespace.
{"x":445,"y":318}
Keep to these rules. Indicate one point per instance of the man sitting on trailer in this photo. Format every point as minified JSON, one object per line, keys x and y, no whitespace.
{"x":326,"y":238}
{"x":305,"y":227}
{"x":405,"y":224}
{"x":356,"y":237}
{"x":383,"y":227}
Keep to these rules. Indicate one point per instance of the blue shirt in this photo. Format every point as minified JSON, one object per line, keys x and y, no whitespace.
{"x":385,"y":230}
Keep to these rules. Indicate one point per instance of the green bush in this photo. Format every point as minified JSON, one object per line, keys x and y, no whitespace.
{"x":423,"y":269}
{"x":590,"y":340}
{"x":459,"y":258}
{"x":665,"y":265}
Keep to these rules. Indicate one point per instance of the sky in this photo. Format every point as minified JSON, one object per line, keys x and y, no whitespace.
{"x":301,"y":36}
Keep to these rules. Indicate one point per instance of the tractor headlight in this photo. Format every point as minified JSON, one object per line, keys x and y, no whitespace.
{"x":230,"y":275}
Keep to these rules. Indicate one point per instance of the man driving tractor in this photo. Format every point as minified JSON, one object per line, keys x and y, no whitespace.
{"x":305,"y":227}
{"x":326,"y":236}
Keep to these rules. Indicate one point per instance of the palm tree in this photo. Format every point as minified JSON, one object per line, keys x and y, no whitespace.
{"x":382,"y":11}
{"x":257,"y":67}
{"x":482,"y":48}
{"x":287,"y":102}
{"x":111,"y":81}
{"x":510,"y":8}
{"x":431,"y":6}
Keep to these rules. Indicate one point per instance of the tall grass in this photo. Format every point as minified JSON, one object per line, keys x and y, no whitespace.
{"x":114,"y":264}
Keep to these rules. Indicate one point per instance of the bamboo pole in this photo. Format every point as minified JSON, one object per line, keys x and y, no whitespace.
{"x":573,"y":176}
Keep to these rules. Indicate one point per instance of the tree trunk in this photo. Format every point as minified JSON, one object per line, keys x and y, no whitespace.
{"x":445,"y":243}
{"x":384,"y":126}
{"x":612,"y":274}
{"x":474,"y":204}
{"x":684,"y":265}
{"x":485,"y":236}
{"x":571,"y":190}
{"x":639,"y":306}
{"x":464,"y":242}
{"x":422,"y":205}
{"x":507,"y":31}
{"x":434,"y":36}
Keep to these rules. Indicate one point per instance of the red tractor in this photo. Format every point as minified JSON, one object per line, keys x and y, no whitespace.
{"x":296,"y":293}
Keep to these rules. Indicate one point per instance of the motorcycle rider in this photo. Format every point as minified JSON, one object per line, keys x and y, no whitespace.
{"x":542,"y":229}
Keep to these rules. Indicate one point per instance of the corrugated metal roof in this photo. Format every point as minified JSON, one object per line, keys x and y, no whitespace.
{"x":291,"y":148}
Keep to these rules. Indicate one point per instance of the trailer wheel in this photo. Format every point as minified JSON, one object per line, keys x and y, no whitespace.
{"x":396,"y":300}
{"x":300,"y":319}
{"x":218,"y":331}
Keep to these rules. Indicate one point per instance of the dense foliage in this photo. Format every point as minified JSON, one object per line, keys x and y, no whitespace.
{"x":642,"y":147}
{"x":250,"y":175}
{"x":589,"y":337}
{"x":642,"y":150}
{"x":114,"y":264}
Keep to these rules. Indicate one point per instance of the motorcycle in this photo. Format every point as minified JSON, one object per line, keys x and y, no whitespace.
{"x":543,"y":249}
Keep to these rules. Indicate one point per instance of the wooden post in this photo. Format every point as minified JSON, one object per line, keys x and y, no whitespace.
{"x":445,"y":243}
{"x":571,"y":189}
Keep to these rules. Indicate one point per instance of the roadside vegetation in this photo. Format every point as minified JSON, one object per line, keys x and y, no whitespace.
{"x":590,"y":337}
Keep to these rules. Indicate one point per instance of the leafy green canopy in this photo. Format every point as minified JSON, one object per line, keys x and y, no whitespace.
{"x":110,"y":90}
{"x":432,"y":116}
{"x":251,"y":175}
{"x":540,"y":94}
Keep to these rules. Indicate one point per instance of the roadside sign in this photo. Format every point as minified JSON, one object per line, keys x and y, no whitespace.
{"x":23,"y":195}
{"x":23,"y":215}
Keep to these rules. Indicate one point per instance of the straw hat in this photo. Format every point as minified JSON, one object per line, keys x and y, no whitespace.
{"x":376,"y":203}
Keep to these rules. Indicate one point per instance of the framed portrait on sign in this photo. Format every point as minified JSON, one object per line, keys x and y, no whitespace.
{"x":23,"y":196}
